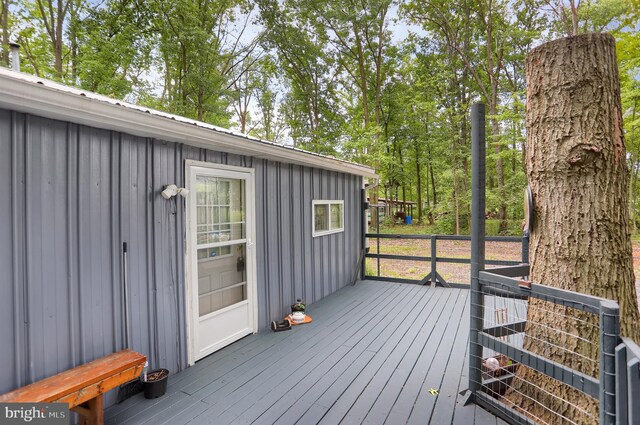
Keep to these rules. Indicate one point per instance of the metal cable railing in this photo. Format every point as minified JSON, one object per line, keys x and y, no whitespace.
{"x":542,"y":354}
{"x":539,"y":354}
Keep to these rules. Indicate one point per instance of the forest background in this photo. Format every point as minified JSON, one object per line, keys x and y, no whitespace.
{"x":384,"y":83}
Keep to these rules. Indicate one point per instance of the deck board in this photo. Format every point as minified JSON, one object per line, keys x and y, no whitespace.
{"x":431,"y":357}
{"x":463,"y":415}
{"x":437,"y":368}
{"x":370,"y":355}
{"x":382,"y":368}
{"x":354,"y":341}
{"x":380,"y":349}
{"x":399,"y":372}
{"x":299,"y":370}
{"x":443,"y":411}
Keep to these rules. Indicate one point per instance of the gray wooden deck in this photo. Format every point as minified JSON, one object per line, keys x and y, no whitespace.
{"x":371,"y":355}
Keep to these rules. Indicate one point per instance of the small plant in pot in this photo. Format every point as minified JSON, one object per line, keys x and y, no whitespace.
{"x":154,"y":383}
{"x":298,"y":306}
{"x":298,"y":311}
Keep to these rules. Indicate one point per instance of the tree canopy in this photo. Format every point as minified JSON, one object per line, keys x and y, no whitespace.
{"x":385,"y":83}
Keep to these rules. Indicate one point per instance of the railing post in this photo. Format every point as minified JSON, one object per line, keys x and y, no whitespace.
{"x":363,"y":240}
{"x":609,"y":338}
{"x":478,"y":172}
{"x":378,"y":237}
{"x":633,"y":390}
{"x":525,"y":246}
{"x":434,"y":239}
{"x":622,"y":406}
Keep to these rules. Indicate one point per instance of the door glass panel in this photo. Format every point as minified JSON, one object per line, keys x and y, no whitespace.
{"x":237,"y":231}
{"x":221,"y":277}
{"x":220,"y":207}
{"x":224,"y":214}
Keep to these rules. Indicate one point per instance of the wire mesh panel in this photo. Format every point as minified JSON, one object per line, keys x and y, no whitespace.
{"x":547,"y":354}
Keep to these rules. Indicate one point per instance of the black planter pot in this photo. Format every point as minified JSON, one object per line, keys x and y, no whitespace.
{"x":157,"y":387}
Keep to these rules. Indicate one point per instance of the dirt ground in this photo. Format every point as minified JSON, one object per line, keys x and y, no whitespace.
{"x":451,"y":272}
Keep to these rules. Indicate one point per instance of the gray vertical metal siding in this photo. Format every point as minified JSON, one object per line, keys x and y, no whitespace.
{"x":74,"y":194}
{"x":293,"y":264}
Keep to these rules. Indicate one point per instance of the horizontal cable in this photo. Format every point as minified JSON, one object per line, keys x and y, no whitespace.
{"x":550,"y":394}
{"x":557,"y":295}
{"x":579,"y":381}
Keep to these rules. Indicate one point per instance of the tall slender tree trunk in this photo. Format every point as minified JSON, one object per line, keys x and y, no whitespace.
{"x":433,"y":184}
{"x":426,"y":186}
{"x":516,"y":135}
{"x":494,"y":65}
{"x":416,"y":147}
{"x":464,"y":136}
{"x":495,"y":134}
{"x":362,"y":74}
{"x":4,"y":24}
{"x":456,"y":194}
{"x":52,"y":18}
{"x":73,"y":38}
{"x":635,"y":158}
{"x":400,"y":147}
{"x":580,"y":241}
{"x":57,"y":41}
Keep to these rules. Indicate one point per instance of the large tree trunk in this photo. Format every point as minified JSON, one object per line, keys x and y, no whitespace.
{"x":576,"y":165}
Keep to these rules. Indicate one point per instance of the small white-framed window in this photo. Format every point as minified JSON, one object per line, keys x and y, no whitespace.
{"x":327,"y":217}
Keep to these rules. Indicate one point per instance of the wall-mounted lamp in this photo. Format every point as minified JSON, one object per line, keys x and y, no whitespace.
{"x":173,"y":190}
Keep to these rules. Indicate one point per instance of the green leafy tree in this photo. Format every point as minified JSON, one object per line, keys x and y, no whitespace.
{"x":269,"y":122}
{"x":114,"y":49}
{"x":4,"y":29}
{"x":48,"y":19}
{"x":310,"y":107}
{"x":200,"y":47}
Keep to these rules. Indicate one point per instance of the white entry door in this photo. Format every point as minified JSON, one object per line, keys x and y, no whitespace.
{"x":221,"y":291}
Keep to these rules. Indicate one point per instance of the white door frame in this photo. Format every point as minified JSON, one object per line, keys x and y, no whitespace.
{"x":191,"y":255}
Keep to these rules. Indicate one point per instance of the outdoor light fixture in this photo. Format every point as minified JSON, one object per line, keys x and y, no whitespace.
{"x":173,"y":190}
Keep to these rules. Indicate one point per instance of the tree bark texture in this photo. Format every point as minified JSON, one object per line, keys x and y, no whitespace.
{"x":580,"y":240}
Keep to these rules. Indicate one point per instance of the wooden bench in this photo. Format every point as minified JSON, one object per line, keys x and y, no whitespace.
{"x":82,"y":387}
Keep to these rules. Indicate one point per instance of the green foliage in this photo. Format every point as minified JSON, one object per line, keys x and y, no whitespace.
{"x":199,"y":55}
{"x":445,"y":226}
{"x":311,"y":105}
{"x":339,"y":78}
{"x":115,"y":49}
{"x":493,"y":227}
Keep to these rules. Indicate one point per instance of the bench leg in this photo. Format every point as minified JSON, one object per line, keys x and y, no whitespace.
{"x":93,"y":412}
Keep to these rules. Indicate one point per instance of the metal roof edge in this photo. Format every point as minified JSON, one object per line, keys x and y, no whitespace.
{"x":30,"y":94}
